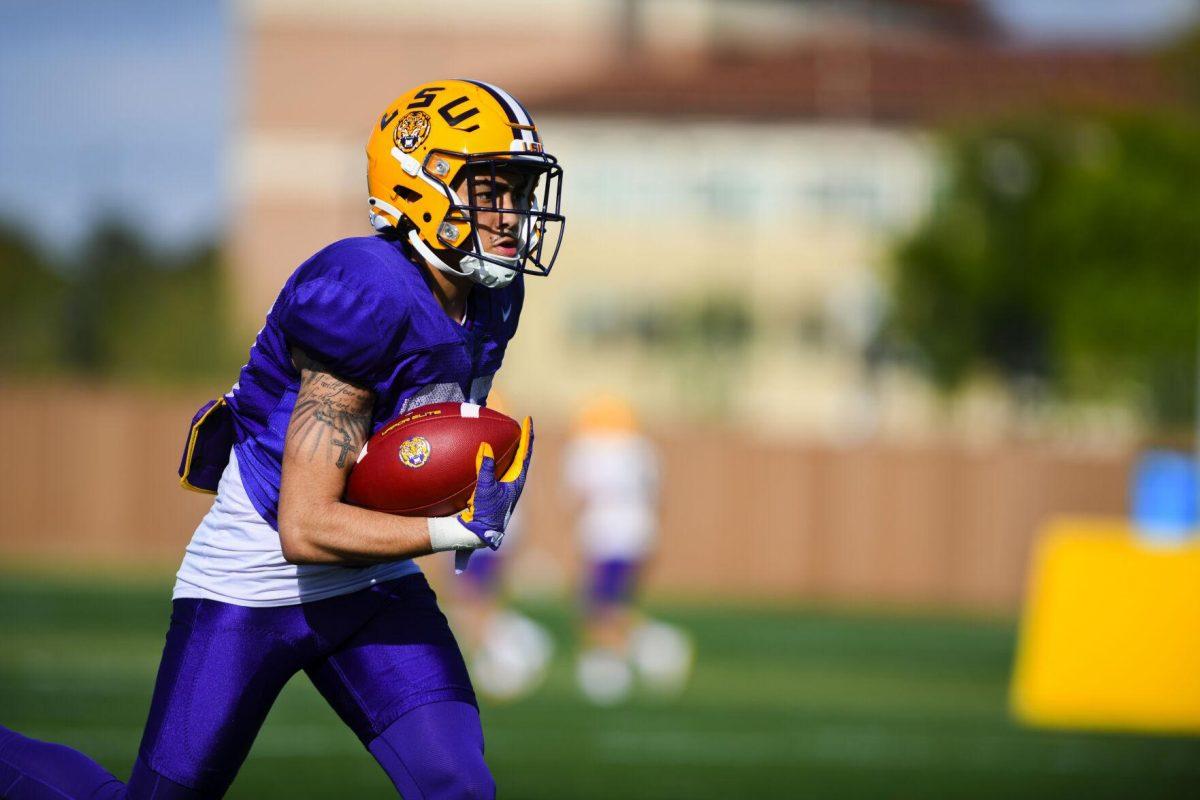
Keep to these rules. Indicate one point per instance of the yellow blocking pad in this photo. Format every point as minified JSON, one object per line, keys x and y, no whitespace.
{"x":1110,"y":637}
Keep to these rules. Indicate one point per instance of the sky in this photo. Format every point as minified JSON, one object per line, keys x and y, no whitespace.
{"x":117,"y":107}
{"x":1114,"y":20}
{"x":124,"y":107}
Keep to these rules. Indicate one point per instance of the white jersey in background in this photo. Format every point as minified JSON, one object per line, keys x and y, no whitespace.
{"x":614,"y":476}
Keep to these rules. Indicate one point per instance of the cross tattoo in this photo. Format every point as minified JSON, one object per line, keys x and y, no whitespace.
{"x":346,"y":446}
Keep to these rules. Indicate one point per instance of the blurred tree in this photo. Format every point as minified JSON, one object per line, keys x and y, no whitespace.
{"x":1063,"y":254}
{"x":146,"y":315}
{"x":1181,"y":60}
{"x":31,"y":297}
{"x":118,"y":309}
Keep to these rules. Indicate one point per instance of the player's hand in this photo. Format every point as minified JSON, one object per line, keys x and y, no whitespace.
{"x":492,"y":503}
{"x":483,"y":522}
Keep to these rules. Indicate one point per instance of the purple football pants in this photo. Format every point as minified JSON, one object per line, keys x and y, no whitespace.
{"x":384,"y":658}
{"x":613,"y":582}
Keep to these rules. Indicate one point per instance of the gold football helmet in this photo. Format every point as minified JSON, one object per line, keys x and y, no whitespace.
{"x":431,"y":146}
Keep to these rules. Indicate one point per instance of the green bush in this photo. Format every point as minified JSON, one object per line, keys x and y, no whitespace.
{"x":1063,"y":253}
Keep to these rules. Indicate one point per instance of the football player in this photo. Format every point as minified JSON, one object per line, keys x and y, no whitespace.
{"x":612,"y":471}
{"x":281,"y":576}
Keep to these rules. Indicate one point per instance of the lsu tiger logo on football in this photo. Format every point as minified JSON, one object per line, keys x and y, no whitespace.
{"x":414,"y":452}
{"x":411,"y":130}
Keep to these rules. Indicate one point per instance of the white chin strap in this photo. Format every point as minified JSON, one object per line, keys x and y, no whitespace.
{"x":485,"y":273}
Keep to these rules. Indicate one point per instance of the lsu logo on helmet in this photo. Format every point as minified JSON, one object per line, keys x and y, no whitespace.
{"x":411,"y":130}
{"x":414,"y":452}
{"x":431,"y":146}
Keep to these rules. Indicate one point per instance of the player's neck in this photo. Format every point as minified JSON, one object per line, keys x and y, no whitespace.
{"x":451,"y":292}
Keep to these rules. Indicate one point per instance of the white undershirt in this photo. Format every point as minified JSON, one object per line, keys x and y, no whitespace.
{"x":235,"y":557}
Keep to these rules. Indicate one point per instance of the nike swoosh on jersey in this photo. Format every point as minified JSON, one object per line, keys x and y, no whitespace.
{"x":505,"y":313}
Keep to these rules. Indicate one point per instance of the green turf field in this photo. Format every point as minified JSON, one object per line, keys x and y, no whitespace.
{"x":784,"y":703}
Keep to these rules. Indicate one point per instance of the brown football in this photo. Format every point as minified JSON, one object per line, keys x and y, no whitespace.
{"x":423,"y":463}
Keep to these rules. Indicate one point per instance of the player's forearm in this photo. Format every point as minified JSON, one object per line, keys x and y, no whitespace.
{"x":329,"y":424}
{"x":336,"y":533}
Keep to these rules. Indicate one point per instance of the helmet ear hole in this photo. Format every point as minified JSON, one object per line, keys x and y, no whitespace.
{"x":407,"y":194}
{"x":427,"y":217}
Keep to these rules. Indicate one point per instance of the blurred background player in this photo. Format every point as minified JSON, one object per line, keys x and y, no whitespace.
{"x":507,"y":651}
{"x":612,"y":472}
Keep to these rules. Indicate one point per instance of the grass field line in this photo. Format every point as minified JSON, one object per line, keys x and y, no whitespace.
{"x":833,"y":744}
{"x":870,"y":746}
{"x":863,"y":746}
{"x":275,"y":741}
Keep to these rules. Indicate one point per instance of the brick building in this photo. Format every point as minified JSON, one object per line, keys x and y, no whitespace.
{"x":735,"y":174}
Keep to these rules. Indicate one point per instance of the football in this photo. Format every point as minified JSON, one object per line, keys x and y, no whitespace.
{"x":422,"y":464}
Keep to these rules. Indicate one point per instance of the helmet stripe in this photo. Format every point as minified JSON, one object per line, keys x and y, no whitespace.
{"x":517,"y":114}
{"x":523,"y":115}
{"x":508,"y":109}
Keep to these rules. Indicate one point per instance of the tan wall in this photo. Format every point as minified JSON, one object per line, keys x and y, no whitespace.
{"x":90,"y":475}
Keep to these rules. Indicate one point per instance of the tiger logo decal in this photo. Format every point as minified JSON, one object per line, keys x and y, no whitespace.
{"x":411,"y":130}
{"x":414,"y":452}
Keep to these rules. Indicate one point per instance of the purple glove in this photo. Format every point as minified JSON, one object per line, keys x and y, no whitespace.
{"x":492,"y":503}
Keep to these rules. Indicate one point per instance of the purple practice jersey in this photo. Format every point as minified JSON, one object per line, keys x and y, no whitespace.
{"x":362,"y":309}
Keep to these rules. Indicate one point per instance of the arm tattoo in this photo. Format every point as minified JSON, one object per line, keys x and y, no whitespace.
{"x":331,"y":418}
